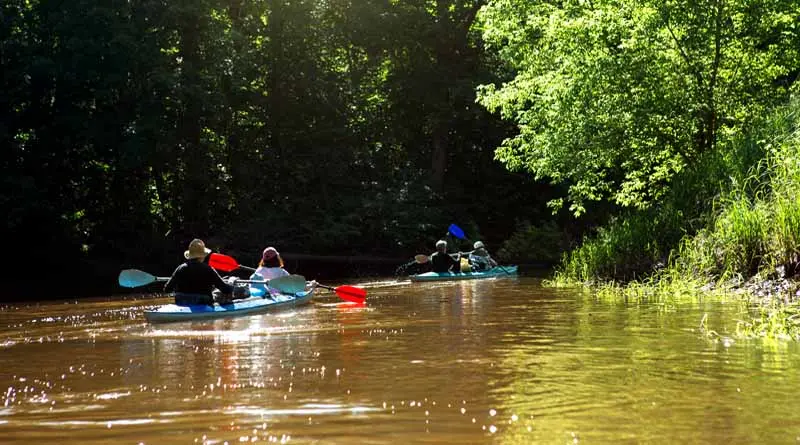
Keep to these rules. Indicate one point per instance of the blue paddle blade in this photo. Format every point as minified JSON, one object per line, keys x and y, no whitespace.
{"x":290,"y":284}
{"x":135,"y":278}
{"x":456,"y":231}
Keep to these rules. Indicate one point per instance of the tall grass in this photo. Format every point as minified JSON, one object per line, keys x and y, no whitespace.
{"x":751,"y":230}
{"x":754,"y":227}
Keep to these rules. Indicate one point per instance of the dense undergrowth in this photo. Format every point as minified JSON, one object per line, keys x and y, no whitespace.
{"x":730,"y":225}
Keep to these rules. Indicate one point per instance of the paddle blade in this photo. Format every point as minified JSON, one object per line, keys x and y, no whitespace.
{"x":456,"y":231}
{"x":222,"y":262}
{"x":351,"y":293}
{"x":289,"y":284}
{"x":135,"y":278}
{"x":421,"y":259}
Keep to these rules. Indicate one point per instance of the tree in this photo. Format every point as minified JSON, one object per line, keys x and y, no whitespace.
{"x":613,"y":98}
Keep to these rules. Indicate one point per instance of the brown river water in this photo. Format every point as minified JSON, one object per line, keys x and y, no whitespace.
{"x":498,"y":361}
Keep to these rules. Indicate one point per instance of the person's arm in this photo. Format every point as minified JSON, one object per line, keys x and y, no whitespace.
{"x":219,"y":283}
{"x":170,"y":286}
{"x":455,"y":264}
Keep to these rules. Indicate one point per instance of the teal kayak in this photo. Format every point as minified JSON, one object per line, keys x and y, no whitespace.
{"x":247,"y":306}
{"x":450,"y":276}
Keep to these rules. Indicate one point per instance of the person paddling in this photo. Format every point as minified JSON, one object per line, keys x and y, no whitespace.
{"x":479,"y":259}
{"x":193,"y":282}
{"x":420,"y":264}
{"x":442,"y":262}
{"x":270,"y":267}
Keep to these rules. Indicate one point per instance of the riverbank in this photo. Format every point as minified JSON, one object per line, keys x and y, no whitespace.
{"x":730,"y":225}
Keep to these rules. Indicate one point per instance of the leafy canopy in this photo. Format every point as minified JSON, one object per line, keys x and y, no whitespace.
{"x":614,"y":97}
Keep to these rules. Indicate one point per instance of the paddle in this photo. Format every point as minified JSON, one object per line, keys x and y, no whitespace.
{"x":458,"y":233}
{"x":136,"y":278}
{"x":226,"y":263}
{"x":290,"y":284}
{"x":349,"y":293}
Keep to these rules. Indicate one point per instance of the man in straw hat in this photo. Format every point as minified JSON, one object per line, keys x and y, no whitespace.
{"x":194,"y":281}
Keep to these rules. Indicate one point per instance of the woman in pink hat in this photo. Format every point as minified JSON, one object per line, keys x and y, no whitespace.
{"x":271,"y":264}
{"x":269,"y":268}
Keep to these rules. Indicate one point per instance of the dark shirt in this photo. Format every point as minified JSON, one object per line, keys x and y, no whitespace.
{"x":443,"y":262}
{"x":196,"y":277}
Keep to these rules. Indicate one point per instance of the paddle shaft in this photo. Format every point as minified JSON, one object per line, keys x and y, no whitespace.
{"x":253,"y":281}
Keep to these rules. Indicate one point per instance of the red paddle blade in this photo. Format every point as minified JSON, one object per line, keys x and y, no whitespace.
{"x":222,"y":262}
{"x":351,"y":293}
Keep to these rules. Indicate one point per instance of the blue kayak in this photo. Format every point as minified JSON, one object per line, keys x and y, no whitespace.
{"x":247,"y":306}
{"x":450,"y":276}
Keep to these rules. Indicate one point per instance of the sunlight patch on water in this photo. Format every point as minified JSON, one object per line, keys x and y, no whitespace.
{"x":310,"y":409}
{"x":112,"y":395}
{"x":225,"y":336}
{"x":102,"y":423}
{"x":378,"y":284}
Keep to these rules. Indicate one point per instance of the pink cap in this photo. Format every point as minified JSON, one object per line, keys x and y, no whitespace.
{"x":268,"y":253}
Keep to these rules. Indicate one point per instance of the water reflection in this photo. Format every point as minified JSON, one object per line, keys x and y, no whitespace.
{"x":490,"y":361}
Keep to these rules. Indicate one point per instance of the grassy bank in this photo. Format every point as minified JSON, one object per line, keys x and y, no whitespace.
{"x":730,"y":225}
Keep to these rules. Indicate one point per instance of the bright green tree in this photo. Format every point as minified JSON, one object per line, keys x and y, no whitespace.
{"x":614,"y":97}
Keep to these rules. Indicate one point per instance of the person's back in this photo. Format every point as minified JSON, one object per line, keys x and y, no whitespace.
{"x":480,"y":259}
{"x":193,"y":282}
{"x":193,"y":277}
{"x":269,"y":273}
{"x":269,"y":267}
{"x":478,"y":262}
{"x":441,"y":261}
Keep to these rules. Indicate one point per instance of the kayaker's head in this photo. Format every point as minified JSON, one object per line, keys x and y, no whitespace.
{"x":479,"y":248}
{"x":441,"y":246}
{"x":197,"y":250}
{"x":270,"y":258}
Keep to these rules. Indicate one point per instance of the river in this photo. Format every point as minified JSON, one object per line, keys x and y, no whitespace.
{"x":499,"y":361}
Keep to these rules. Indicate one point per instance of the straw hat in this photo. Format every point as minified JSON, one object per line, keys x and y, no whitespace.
{"x":197,"y":249}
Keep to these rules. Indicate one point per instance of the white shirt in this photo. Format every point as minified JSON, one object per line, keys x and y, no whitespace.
{"x":266,"y":273}
{"x":269,"y":273}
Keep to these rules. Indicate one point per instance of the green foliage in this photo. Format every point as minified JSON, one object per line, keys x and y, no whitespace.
{"x":629,"y":247}
{"x":537,"y":244}
{"x":615,"y":98}
{"x":781,"y":321}
{"x":751,"y":227}
{"x":756,"y":227}
{"x":131,"y":127}
{"x":750,"y":234}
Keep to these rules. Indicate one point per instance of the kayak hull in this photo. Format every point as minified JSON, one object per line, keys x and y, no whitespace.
{"x":450,"y":276}
{"x":248,"y":306}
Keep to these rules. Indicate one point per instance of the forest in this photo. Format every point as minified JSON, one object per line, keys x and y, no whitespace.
{"x":609,"y":134}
